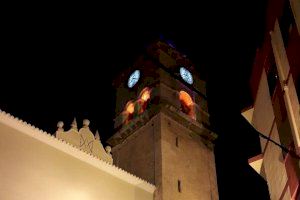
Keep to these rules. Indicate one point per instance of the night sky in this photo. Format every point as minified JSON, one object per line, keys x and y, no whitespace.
{"x":59,"y":67}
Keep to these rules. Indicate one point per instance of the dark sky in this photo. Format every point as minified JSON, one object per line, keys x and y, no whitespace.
{"x":60,"y":67}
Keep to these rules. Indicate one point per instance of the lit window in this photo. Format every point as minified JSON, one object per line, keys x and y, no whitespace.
{"x":130,"y":107}
{"x":185,"y":98}
{"x":128,"y":112}
{"x":144,"y":99}
{"x":187,"y":103}
{"x":145,"y":94}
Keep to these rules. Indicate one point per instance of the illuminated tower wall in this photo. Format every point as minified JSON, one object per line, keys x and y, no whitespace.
{"x":165,"y":139}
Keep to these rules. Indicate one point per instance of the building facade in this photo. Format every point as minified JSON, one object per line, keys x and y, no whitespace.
{"x":275,"y":86}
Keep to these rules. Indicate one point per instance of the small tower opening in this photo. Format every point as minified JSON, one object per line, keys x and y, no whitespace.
{"x":187,"y":104}
{"x":128,"y":112}
{"x":179,"y":186}
{"x":145,"y":94}
{"x":130,"y":107}
{"x":144,"y":99}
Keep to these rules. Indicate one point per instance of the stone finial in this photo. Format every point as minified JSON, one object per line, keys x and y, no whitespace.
{"x":86,"y":123}
{"x":97,"y":135}
{"x":74,"y":124}
{"x":60,"y":126}
{"x":108,"y":150}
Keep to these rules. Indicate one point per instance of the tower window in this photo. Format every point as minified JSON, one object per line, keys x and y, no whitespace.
{"x":130,"y":107}
{"x":187,"y":104}
{"x":144,"y":98}
{"x":145,"y":94}
{"x":179,"y":186}
{"x":128,"y":112}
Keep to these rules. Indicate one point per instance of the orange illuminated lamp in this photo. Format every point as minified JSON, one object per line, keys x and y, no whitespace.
{"x":187,"y":103}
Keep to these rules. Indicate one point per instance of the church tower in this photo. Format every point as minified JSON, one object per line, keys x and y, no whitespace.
{"x":162,"y":126}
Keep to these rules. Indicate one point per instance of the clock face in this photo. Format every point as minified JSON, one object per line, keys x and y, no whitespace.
{"x":186,"y":75}
{"x":133,"y":78}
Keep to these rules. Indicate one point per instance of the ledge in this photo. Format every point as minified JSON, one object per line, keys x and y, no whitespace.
{"x":195,"y":126}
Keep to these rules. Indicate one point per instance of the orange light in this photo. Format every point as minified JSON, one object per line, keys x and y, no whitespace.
{"x":187,"y":104}
{"x":145,"y":95}
{"x":185,"y":98}
{"x":130,"y":107}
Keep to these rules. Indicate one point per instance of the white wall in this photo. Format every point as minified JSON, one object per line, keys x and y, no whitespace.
{"x":31,"y":169}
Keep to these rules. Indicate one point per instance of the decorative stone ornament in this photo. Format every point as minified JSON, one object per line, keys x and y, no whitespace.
{"x":97,"y":136}
{"x":74,"y":124}
{"x":60,"y":126}
{"x":85,"y":140}
{"x":86,"y":123}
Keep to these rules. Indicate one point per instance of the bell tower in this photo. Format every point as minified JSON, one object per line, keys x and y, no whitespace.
{"x":162,"y":126}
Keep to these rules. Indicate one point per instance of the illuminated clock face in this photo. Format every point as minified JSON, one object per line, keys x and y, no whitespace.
{"x":186,"y":75}
{"x":133,"y":78}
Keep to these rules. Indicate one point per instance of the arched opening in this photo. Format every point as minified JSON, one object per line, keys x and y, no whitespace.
{"x":144,"y":99}
{"x":187,"y":104}
{"x":145,"y":94}
{"x":128,"y":112}
{"x":130,"y":107}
